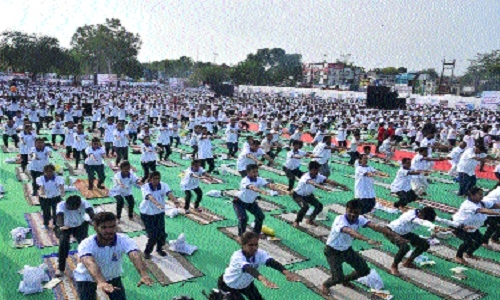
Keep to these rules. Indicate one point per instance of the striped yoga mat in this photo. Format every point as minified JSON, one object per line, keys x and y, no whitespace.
{"x":169,"y":269}
{"x":28,"y":191}
{"x":41,"y":237}
{"x":67,"y":288}
{"x":82,"y":186}
{"x":204,"y":217}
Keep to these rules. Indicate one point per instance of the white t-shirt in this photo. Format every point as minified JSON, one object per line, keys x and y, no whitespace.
{"x":243,"y":161}
{"x":402,"y":181}
{"x":339,"y":240}
{"x":234,"y":277}
{"x":41,"y":159}
{"x":291,"y":162}
{"x":406,"y":223}
{"x":188,"y":182}
{"x":467,"y":163}
{"x":73,"y":218}
{"x":467,"y":213}
{"x":363,"y":185}
{"x":246,"y":195}
{"x":108,"y":258}
{"x":52,"y":186}
{"x":128,"y":182}
{"x":304,"y":188}
{"x":147,"y":207}
{"x":321,"y":150}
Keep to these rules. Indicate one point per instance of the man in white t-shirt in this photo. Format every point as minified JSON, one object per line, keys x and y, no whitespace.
{"x":467,"y":169}
{"x":338,"y":245}
{"x":101,"y":263}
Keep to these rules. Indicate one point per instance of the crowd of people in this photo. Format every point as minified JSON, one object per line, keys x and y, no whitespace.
{"x":97,"y":123}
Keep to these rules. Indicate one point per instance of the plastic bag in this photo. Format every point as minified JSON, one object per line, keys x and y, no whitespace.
{"x":214,"y":193}
{"x":32,"y":280}
{"x":372,"y":280}
{"x":171,"y":212}
{"x":180,"y":245}
{"x":10,"y":160}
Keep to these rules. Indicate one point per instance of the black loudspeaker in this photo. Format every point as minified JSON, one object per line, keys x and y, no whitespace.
{"x":381,"y":97}
{"x":226,"y":90}
{"x":95,"y":78}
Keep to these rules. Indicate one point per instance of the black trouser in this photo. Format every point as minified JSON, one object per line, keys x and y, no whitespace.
{"x":24,"y":161}
{"x":421,"y":245}
{"x":147,"y":167}
{"x":155,"y":229}
{"x":165,"y":150}
{"x":211,"y":164}
{"x":250,"y":292}
{"x":76,"y":155}
{"x":195,"y":150}
{"x":38,"y":127}
{"x":177,"y":140}
{"x":133,"y":137}
{"x":405,"y":198}
{"x":367,"y":205}
{"x":94,"y":125}
{"x":34,"y":176}
{"x":291,"y":174}
{"x":465,"y":182}
{"x":91,"y":170}
{"x":76,"y":119}
{"x":79,"y":233}
{"x":108,"y":146}
{"x":240,"y":208}
{"x":303,"y":202}
{"x":354,"y":156}
{"x":68,"y":151}
{"x":273,"y":154}
{"x":336,"y":258}
{"x":232,"y":148}
{"x":54,"y":139}
{"x":14,"y":137}
{"x":49,"y":206}
{"x":187,"y":200}
{"x":452,"y":142}
{"x":216,"y":129}
{"x":120,"y":203}
{"x":121,"y":153}
{"x":87,"y":290}
{"x":471,"y":241}
{"x":493,"y":230}
{"x":342,"y":144}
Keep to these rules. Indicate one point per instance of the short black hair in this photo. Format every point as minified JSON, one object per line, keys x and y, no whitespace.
{"x":124,"y":164}
{"x":353,"y":204}
{"x":73,"y":202}
{"x":49,"y":167}
{"x":314,"y":165}
{"x":428,"y":213}
{"x":474,"y":190}
{"x":405,"y":160}
{"x":248,"y":236}
{"x":251,"y":168}
{"x":154,"y":174}
{"x":103,"y":217}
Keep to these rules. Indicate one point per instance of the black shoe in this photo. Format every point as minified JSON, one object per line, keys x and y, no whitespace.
{"x":162,"y":253}
{"x":100,"y":186}
{"x":147,"y":255}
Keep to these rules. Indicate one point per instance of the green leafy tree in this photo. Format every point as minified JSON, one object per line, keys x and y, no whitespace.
{"x":483,"y":72}
{"x":106,"y":47}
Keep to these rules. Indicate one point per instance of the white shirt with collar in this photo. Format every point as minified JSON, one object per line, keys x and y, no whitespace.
{"x":52,"y":187}
{"x":80,"y":142}
{"x":26,"y":142}
{"x":128,"y":182}
{"x":97,"y":153}
{"x":363,"y":185}
{"x":232,"y":134}
{"x":246,"y":195}
{"x":468,"y":163}
{"x":121,"y":139}
{"x":204,"y":147}
{"x":339,"y":240}
{"x":468,"y":214}
{"x":321,"y":150}
{"x":304,"y":188}
{"x":292,"y":162}
{"x":108,"y":258}
{"x":406,"y":223}
{"x":108,"y":132}
{"x":147,"y":207}
{"x":402,"y":181}
{"x":243,"y":161}
{"x":148,"y":153}
{"x":74,"y":217}
{"x":234,"y":277}
{"x":188,"y":182}
{"x":41,"y":159}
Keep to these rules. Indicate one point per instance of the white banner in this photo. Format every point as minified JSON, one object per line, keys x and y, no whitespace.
{"x":490,"y":100}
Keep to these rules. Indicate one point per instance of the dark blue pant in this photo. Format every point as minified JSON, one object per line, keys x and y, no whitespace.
{"x":304,"y":202}
{"x":232,"y":148}
{"x":471,"y":241}
{"x":87,"y":290}
{"x":241,"y":208}
{"x":155,"y":229}
{"x":466,"y":182}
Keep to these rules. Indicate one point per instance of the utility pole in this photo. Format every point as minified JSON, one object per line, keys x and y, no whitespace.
{"x":215,"y":56}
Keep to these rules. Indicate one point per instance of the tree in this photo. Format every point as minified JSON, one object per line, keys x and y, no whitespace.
{"x":106,"y":47}
{"x":484,"y":72}
{"x":32,"y":53}
{"x":211,"y":74}
{"x":389,"y":71}
{"x":432,"y":73}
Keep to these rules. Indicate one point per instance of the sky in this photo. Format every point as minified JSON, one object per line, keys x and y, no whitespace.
{"x":415,"y":34}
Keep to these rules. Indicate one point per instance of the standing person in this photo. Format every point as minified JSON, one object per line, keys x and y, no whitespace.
{"x":380,"y":136}
{"x":454,"y":158}
{"x":251,"y":156}
{"x":466,"y":168}
{"x":205,"y":153}
{"x":120,"y":143}
{"x":401,"y":186}
{"x":70,"y":221}
{"x":174,"y":132}
{"x":94,"y":164}
{"x":250,"y":188}
{"x":353,"y":147}
{"x":342,"y":136}
{"x":99,"y":268}
{"x":109,"y":128}
{"x":403,"y":227}
{"x":363,"y":184}
{"x":238,"y":278}
{"x":10,"y":131}
{"x":148,"y":158}
{"x":322,"y":154}
{"x":27,"y":142}
{"x":51,"y":191}
{"x":152,"y":210}
{"x":492,"y":223}
{"x":473,"y":212}
{"x":292,"y":163}
{"x":232,"y":133}
{"x":123,"y":182}
{"x":303,"y":193}
{"x":57,"y":129}
{"x":79,"y":145}
{"x":191,"y":182}
{"x":40,"y":155}
{"x":338,"y":245}
{"x":69,"y":138}
{"x":163,"y":140}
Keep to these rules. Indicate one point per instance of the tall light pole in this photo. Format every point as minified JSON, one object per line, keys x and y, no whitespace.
{"x":215,"y":56}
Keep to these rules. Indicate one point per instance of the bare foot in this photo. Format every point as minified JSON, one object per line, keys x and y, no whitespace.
{"x":238,"y":240}
{"x":461,"y":261}
{"x":485,"y":245}
{"x":495,"y":242}
{"x":295,"y":224}
{"x":410,"y":264}
{"x":312,"y":223}
{"x":325,"y":291}
{"x":348,"y":285}
{"x":470,"y":256}
{"x":395,"y":271}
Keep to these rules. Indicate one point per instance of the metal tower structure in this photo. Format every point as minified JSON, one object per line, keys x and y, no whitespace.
{"x":444,"y":86}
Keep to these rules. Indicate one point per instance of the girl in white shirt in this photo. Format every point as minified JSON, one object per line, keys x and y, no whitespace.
{"x":123,"y":182}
